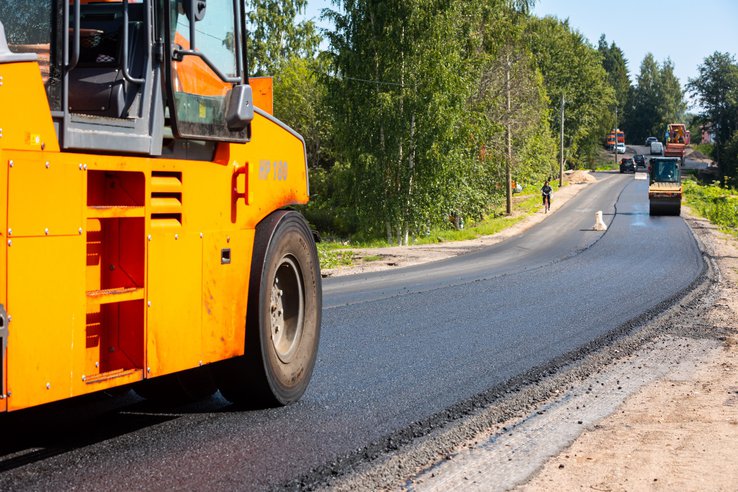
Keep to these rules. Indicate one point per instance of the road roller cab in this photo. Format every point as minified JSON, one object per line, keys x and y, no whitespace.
{"x":147,"y":236}
{"x":665,"y":186}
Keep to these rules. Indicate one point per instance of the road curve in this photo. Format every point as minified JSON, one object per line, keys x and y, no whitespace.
{"x":396,"y":348}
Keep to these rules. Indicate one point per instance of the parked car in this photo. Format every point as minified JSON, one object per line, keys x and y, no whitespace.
{"x":640,"y":160}
{"x":627,"y":165}
{"x":620,"y":148}
{"x":657,"y":148}
{"x":651,"y":139}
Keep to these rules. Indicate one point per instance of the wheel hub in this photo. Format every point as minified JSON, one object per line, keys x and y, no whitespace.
{"x":286,"y":309}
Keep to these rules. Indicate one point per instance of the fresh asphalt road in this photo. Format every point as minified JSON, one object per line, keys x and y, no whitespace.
{"x":396,"y":348}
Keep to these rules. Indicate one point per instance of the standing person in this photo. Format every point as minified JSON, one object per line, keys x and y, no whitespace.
{"x":546,"y":191}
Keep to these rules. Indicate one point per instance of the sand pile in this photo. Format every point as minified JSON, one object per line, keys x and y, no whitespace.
{"x":580,"y":177}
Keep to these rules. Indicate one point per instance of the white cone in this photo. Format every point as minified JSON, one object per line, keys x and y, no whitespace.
{"x":599,"y":223}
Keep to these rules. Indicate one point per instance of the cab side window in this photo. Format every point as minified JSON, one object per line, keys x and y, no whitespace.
{"x":206,"y":65}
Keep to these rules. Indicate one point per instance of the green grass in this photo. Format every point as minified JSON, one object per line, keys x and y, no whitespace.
{"x":604,"y":161}
{"x":492,"y":224}
{"x":331,"y":257}
{"x":333,"y":254}
{"x":716,"y":204}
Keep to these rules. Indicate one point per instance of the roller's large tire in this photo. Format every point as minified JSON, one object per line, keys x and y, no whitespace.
{"x":283,"y":317}
{"x":664,"y":209}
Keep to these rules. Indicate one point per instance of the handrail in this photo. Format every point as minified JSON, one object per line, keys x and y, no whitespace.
{"x":75,"y":46}
{"x":126,"y":74}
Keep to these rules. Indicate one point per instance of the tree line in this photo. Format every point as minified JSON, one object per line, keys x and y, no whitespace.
{"x":716,"y":89}
{"x":418,"y":111}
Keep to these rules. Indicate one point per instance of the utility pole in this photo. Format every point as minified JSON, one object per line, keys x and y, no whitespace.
{"x":561,"y":163}
{"x":616,"y":134}
{"x":508,"y":137}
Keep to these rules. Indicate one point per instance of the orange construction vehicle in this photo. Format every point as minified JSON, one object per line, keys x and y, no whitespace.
{"x":613,"y":138}
{"x":147,"y":236}
{"x":677,"y":139}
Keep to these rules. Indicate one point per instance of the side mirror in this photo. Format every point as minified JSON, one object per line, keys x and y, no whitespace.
{"x":240,"y":109}
{"x":195,"y":10}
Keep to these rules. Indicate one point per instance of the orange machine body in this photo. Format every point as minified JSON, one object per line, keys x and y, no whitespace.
{"x":678,"y":140}
{"x":120,"y":268}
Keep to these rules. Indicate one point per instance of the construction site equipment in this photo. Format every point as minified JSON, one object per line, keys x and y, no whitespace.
{"x":146,"y":234}
{"x":676,"y":141}
{"x":613,"y":138}
{"x":664,"y":186}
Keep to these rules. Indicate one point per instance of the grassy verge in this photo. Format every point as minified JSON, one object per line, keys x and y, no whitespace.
{"x":333,"y":254}
{"x":491,"y":224}
{"x":716,"y":204}
{"x":608,"y":164}
{"x":605,"y":161}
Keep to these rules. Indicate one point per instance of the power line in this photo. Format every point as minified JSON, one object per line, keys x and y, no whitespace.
{"x":377,"y":82}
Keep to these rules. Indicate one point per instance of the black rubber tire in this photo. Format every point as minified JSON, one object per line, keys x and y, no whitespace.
{"x":283,"y":317}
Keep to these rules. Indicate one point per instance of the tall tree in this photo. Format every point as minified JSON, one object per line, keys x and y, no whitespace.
{"x":300,"y":101}
{"x":511,"y":99}
{"x":572,"y":70}
{"x":398,"y":96}
{"x":616,"y":66}
{"x":671,"y":106}
{"x":275,"y":35}
{"x":640,"y":119}
{"x":656,"y":100}
{"x":716,"y":89}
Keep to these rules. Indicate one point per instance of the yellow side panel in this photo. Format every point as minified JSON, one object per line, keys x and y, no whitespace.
{"x":3,"y":263}
{"x":46,"y":299}
{"x":206,"y":196}
{"x":277,"y":172}
{"x":46,"y":197}
{"x":24,"y":109}
{"x":174,"y":290}
{"x":224,"y":293}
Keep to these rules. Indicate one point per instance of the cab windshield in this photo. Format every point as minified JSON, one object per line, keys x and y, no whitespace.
{"x":665,"y":171}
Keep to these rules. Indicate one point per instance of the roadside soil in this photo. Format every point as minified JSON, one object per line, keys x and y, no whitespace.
{"x":698,"y":156}
{"x":679,"y":432}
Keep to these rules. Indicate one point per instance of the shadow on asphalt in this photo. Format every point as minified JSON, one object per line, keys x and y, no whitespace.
{"x":37,"y":434}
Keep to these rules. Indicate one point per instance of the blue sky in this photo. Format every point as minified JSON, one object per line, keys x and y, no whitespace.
{"x":686,"y":31}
